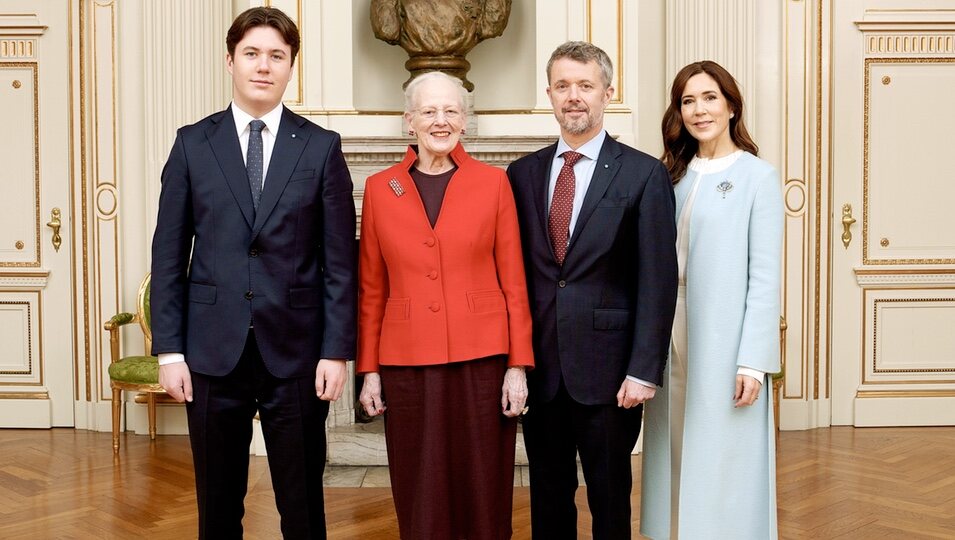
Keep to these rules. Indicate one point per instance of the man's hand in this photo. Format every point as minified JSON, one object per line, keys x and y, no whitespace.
{"x":370,"y":397}
{"x":747,"y":390}
{"x":633,"y":393}
{"x":330,"y":379}
{"x":176,"y":381}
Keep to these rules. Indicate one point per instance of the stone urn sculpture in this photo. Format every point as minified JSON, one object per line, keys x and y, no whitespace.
{"x":438,"y":34}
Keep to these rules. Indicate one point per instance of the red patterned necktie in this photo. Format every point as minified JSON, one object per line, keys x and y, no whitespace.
{"x":562,"y":205}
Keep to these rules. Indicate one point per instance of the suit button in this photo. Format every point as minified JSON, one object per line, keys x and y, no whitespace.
{"x":435,"y":307}
{"x":249,"y":295}
{"x":429,"y":242}
{"x":253,"y":252}
{"x":433,"y":274}
{"x":561,"y":284}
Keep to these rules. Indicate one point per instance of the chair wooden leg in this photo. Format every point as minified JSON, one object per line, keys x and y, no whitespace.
{"x":117,"y":411}
{"x":151,"y":407}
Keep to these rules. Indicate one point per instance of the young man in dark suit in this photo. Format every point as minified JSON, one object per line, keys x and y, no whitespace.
{"x":598,"y":233}
{"x":254,"y":284}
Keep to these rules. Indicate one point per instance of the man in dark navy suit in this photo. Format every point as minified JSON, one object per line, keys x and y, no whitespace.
{"x":598,"y":234}
{"x":254,"y":284}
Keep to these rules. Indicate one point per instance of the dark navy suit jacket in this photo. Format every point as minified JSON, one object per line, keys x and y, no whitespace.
{"x":608,"y":311}
{"x":289,"y":267}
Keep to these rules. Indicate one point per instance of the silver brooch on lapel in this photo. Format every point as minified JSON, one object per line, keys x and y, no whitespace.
{"x":724,"y":187}
{"x":396,"y":187}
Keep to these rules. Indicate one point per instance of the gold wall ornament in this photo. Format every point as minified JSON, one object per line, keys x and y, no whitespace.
{"x":17,"y":84}
{"x":886,"y":80}
{"x":54,"y":224}
{"x":847,"y":221}
{"x":437,"y":35}
{"x":884,"y":242}
{"x":19,"y":244}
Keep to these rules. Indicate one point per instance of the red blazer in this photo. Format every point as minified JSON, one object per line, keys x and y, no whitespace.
{"x":453,"y":293}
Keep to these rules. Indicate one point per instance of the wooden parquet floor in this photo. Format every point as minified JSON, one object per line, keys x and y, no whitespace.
{"x":839,"y":483}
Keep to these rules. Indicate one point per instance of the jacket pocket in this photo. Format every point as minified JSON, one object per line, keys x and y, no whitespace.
{"x":299,"y":176}
{"x":305,"y":298}
{"x":398,"y":309}
{"x":611,"y":319}
{"x":486,"y":301}
{"x":202,"y":294}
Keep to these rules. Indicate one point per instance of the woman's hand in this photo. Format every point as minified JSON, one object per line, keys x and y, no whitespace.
{"x":747,"y":390}
{"x":370,"y":397}
{"x":514,"y":392}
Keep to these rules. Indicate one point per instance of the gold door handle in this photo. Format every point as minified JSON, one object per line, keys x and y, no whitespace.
{"x":847,"y":221}
{"x":54,"y":224}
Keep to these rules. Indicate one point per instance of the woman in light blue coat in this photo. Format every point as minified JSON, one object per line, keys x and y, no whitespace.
{"x":709,"y":454}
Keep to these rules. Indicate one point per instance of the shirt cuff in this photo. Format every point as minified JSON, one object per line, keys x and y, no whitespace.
{"x":641,"y":381}
{"x":754,"y":373}
{"x":171,"y":358}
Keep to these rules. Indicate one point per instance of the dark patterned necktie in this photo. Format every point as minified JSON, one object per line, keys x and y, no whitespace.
{"x":254,"y":160}
{"x":562,"y":206}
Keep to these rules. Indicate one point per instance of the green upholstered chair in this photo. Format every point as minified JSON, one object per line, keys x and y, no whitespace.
{"x":133,"y":373}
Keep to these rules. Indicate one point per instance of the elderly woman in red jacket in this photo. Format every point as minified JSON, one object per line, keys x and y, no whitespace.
{"x":444,"y":324}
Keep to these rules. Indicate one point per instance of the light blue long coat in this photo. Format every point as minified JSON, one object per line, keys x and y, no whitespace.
{"x":728,"y":480}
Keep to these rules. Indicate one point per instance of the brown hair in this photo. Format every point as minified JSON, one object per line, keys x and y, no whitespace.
{"x":583,"y":52}
{"x":263,"y":16}
{"x":678,"y":145}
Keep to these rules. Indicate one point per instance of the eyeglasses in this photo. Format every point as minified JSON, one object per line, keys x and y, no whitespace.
{"x":431,"y":114}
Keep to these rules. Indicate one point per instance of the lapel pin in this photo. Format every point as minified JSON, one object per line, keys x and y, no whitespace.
{"x":293,"y":135}
{"x":396,"y":187}
{"x":606,"y":166}
{"x":724,"y":187}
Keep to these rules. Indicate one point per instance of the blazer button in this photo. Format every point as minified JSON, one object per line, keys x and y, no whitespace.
{"x":561,"y":284}
{"x":429,"y":242}
{"x":435,"y":307}
{"x":433,"y":274}
{"x":249,"y":295}
{"x":253,"y":252}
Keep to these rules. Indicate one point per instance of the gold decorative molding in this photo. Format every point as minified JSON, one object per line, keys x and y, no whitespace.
{"x":300,"y":22}
{"x":911,"y":44}
{"x":795,"y":195}
{"x":937,"y":393}
{"x":107,"y":202}
{"x":619,"y":64}
{"x":865,"y":160}
{"x":29,"y":315}
{"x":24,"y":395}
{"x":21,"y":24}
{"x":18,"y":48}
{"x":875,"y":336}
{"x":34,"y":67}
{"x":25,"y":280}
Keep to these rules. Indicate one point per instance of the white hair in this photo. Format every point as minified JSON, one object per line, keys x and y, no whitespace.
{"x":412,"y":88}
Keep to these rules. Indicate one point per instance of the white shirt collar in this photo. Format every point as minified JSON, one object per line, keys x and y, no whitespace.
{"x":590,"y":149}
{"x":271,"y":119}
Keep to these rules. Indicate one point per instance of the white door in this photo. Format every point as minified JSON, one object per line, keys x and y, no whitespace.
{"x":893,"y":267}
{"x":36,"y":282}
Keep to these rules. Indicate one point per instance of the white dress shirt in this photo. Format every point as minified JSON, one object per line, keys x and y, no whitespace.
{"x":242,"y":119}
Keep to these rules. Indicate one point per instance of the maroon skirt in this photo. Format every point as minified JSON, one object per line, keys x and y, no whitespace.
{"x":450,"y":449}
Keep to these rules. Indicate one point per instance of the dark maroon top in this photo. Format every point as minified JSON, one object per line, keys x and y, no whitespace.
{"x":431,"y":187}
